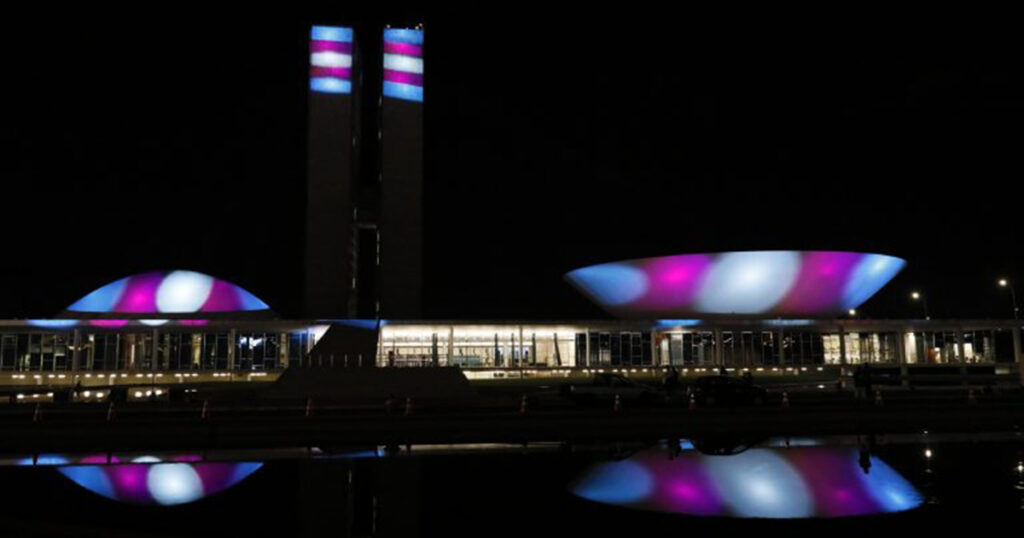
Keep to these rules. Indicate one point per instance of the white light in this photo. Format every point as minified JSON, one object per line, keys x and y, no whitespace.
{"x":138,"y":394}
{"x":928,"y":453}
{"x":330,"y":59}
{"x":401,"y":62}
{"x":748,"y":282}
{"x":174,"y":483}
{"x":87,"y":394}
{"x":183,"y":291}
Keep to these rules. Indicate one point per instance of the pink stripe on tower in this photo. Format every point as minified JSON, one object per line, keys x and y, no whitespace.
{"x":330,"y":46}
{"x":394,"y":47}
{"x":391,"y":75}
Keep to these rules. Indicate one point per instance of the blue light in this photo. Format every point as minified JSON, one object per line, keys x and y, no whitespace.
{"x":404,"y":35}
{"x":53,"y":323}
{"x":102,"y":299}
{"x":620,"y":482}
{"x":611,"y":283}
{"x":331,"y":33}
{"x":748,"y":282}
{"x":330,"y":85}
{"x":890,"y":490}
{"x":244,"y":469}
{"x":407,"y":92}
{"x":871,"y":273}
{"x":678,"y":322}
{"x":367,"y":324}
{"x":44,"y":459}
{"x":760,"y":483}
{"x":91,"y":477}
{"x":249,"y":301}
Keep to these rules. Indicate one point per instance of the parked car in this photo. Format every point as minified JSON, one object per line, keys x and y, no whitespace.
{"x":604,"y":387}
{"x":720,"y":390}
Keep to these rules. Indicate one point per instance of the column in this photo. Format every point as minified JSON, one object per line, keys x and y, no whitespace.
{"x":901,"y":356}
{"x":781,"y":339}
{"x":963,"y":357}
{"x":842,"y":357}
{"x":232,"y":342}
{"x":282,"y":355}
{"x":586,"y":349}
{"x":76,"y":353}
{"x":1017,"y":357}
{"x":154,"y":355}
{"x":718,"y":358}
{"x":451,"y":344}
{"x":655,"y":356}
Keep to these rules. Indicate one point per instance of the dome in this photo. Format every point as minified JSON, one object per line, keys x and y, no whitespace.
{"x":783,"y":283}
{"x":169,"y":294}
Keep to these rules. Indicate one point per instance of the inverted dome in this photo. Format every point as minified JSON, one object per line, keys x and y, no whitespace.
{"x":758,"y":483}
{"x":168,"y":292}
{"x":147,"y":480}
{"x":763,"y":283}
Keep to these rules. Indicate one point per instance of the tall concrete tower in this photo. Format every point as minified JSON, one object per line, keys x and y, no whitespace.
{"x":401,"y":174}
{"x":331,"y":172}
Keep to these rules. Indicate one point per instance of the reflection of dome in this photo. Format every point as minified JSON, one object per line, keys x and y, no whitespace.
{"x":758,"y":483}
{"x":167,"y":294}
{"x":148,"y":480}
{"x":775,"y":283}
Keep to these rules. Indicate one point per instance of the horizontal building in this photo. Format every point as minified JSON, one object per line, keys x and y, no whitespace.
{"x":246,"y":345}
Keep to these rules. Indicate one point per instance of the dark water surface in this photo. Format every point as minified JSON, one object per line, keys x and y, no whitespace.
{"x":967,"y":486}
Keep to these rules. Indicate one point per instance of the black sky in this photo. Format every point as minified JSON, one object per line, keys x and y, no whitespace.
{"x":553,"y":142}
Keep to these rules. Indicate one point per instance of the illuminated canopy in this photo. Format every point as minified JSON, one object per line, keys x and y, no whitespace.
{"x":770,"y":282}
{"x":168,"y":292}
{"x":759,"y":483}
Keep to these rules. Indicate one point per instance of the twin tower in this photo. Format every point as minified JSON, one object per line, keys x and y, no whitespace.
{"x":364,"y":213}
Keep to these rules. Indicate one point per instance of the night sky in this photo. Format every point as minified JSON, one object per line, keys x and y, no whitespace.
{"x":553,"y":141}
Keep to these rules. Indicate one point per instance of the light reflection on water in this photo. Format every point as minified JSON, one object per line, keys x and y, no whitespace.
{"x":148,"y":480}
{"x":758,"y":483}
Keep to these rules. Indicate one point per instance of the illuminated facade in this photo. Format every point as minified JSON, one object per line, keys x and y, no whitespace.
{"x":48,"y":347}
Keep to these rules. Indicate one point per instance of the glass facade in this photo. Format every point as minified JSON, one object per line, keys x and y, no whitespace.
{"x":272,"y":345}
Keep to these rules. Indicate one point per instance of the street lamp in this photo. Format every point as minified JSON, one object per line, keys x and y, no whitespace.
{"x":852,"y":312}
{"x":1004,"y":283}
{"x":924,"y":302}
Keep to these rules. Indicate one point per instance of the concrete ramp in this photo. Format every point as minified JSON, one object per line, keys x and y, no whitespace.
{"x":426,"y":386}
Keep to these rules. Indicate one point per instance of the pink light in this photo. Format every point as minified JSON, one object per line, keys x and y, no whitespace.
{"x":820,"y":284}
{"x":140,"y":294}
{"x":674,"y":280}
{"x":108,"y":323}
{"x":223,"y":298}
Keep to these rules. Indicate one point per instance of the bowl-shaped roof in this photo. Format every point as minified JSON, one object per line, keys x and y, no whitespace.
{"x":776,"y":283}
{"x":167,"y":293}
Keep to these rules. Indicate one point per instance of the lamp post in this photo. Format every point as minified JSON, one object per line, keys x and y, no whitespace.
{"x":1004,"y":283}
{"x":917,"y":296}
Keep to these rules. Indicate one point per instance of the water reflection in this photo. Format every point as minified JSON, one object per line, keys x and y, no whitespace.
{"x":150,"y":480}
{"x":757,"y":483}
